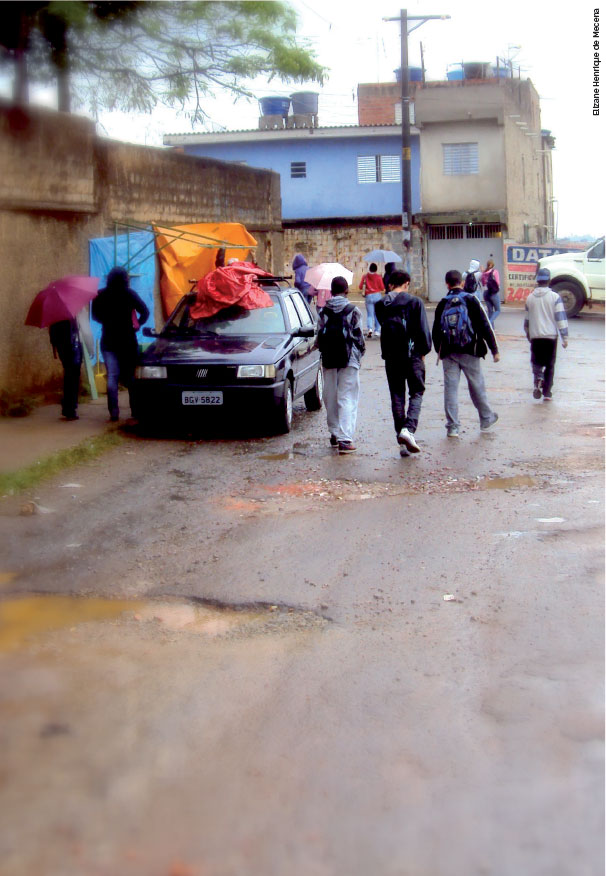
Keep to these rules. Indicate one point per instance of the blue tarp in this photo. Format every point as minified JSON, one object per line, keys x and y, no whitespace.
{"x":140,"y":248}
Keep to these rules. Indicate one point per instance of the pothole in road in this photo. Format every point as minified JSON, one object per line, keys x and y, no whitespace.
{"x":305,"y":495}
{"x":25,"y":618}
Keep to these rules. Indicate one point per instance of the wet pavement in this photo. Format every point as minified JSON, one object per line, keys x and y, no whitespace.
{"x":240,"y":655}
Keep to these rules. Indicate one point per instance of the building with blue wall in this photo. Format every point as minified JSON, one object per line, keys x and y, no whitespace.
{"x":350,"y":172}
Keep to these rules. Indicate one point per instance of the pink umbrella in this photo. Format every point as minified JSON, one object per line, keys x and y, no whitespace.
{"x":321,"y":276}
{"x":62,"y":299}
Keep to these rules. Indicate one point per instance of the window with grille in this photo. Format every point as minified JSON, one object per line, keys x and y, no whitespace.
{"x":298,"y":169}
{"x":464,"y":232}
{"x":460,"y":158}
{"x":379,"y":168}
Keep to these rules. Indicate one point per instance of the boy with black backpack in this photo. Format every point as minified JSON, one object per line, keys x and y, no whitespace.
{"x":341,"y":343}
{"x":405,"y":340}
{"x":462,"y":335}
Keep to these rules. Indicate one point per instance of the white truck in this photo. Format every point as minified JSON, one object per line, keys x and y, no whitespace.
{"x":578,"y":277}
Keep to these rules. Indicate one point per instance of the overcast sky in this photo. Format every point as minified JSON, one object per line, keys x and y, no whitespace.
{"x":552,"y":42}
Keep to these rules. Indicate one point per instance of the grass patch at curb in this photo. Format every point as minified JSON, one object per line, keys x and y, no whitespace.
{"x":23,"y":478}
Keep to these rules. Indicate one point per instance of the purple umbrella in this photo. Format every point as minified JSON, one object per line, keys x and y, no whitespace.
{"x":62,"y":299}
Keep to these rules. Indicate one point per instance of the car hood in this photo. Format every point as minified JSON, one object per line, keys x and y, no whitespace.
{"x":260,"y":350}
{"x":560,"y":257}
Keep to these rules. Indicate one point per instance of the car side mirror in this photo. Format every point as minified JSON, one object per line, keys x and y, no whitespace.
{"x":303,"y":332}
{"x":149,"y":333}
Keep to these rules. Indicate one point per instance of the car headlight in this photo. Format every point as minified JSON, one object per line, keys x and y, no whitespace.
{"x":256,"y":371}
{"x":150,"y":372}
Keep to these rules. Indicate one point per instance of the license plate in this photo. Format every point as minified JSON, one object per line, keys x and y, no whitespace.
{"x":202,"y":398}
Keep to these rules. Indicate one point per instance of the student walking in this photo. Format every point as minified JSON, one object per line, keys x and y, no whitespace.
{"x":405,"y":341}
{"x":544,"y":317}
{"x":341,"y":342}
{"x":115,"y":307}
{"x":472,"y":279}
{"x":462,"y":336}
{"x":492,"y":294}
{"x":372,"y":287}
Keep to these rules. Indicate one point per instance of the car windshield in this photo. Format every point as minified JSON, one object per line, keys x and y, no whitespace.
{"x":229,"y":321}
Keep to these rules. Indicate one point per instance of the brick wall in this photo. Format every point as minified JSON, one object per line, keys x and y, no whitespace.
{"x":347,"y":244}
{"x":376,"y":103}
{"x":60,"y":185}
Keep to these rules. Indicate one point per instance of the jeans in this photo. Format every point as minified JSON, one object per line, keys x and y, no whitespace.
{"x":493,"y":305}
{"x":372,"y":323}
{"x":472,"y":369}
{"x":341,"y":394}
{"x":71,"y":359}
{"x":119,"y":366}
{"x":399,"y":374}
{"x":542,"y":358}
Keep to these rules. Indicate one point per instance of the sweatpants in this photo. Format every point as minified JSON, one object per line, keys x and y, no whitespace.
{"x":472,"y":369}
{"x":399,"y":374}
{"x":341,"y":395}
{"x":542,"y":358}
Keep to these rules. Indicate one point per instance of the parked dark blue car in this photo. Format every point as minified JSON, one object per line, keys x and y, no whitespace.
{"x":238,"y":363}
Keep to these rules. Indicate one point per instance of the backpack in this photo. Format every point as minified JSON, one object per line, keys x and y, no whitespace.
{"x":471,"y":284}
{"x":334,"y":341}
{"x":492,"y":287}
{"x":455,"y":325}
{"x":394,"y":335}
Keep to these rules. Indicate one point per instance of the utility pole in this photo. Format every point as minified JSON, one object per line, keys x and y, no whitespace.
{"x":404,"y":18}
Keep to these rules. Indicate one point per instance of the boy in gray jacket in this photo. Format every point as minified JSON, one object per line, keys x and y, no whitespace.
{"x":544,"y":317}
{"x":339,"y":321}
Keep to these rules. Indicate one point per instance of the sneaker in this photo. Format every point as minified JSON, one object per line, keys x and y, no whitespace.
{"x":452,"y":432}
{"x":538,"y":387}
{"x":369,"y":334}
{"x":484,"y":427}
{"x":547,"y":396}
{"x":333,"y":441}
{"x":404,"y":452}
{"x":114,"y":418}
{"x":347,"y":447}
{"x":408,"y":439}
{"x":69,"y":417}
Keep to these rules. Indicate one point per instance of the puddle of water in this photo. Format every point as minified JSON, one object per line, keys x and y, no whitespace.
{"x":196,"y":618}
{"x":276,"y":457}
{"x":7,"y":577}
{"x":26,"y":616}
{"x":506,"y":483}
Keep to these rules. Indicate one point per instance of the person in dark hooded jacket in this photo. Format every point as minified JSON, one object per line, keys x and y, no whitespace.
{"x":300,"y":268}
{"x":405,"y":340}
{"x":115,"y":307}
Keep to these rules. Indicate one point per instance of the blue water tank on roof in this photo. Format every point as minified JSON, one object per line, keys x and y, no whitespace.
{"x":274,"y":106}
{"x":415,"y":74}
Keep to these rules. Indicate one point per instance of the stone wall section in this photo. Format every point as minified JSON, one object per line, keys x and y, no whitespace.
{"x":347,"y":244}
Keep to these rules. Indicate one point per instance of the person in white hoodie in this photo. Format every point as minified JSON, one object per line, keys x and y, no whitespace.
{"x":472,"y":279}
{"x":544,"y":317}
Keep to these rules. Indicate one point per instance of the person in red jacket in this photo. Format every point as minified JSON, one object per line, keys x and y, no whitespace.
{"x":372,"y":288}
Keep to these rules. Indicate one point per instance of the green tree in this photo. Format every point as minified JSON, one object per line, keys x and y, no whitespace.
{"x":133,"y":55}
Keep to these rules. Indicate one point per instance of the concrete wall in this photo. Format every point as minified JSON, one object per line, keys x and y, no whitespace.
{"x":60,"y":185}
{"x":484,"y":190}
{"x":330,"y":188}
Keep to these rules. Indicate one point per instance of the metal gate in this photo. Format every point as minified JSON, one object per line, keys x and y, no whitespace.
{"x":453,"y":246}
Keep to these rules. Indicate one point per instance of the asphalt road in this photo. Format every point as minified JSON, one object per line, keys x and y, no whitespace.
{"x":317,"y":665}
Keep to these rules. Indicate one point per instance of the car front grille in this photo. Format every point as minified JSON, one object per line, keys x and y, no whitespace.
{"x":191,"y":375}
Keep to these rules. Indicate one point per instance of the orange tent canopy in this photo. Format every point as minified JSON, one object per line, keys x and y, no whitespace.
{"x":188,"y":252}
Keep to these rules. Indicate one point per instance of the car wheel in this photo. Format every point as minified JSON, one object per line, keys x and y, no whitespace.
{"x":571,"y":294}
{"x":284,"y":410}
{"x":313,"y":397}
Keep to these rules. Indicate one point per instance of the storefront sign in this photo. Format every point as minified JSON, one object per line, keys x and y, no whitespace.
{"x":520,"y":261}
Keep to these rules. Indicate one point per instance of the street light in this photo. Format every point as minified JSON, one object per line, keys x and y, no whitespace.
{"x":404,"y":18}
